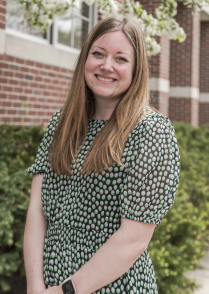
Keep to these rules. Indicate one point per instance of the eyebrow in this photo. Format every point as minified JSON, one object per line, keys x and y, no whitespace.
{"x":119,"y":52}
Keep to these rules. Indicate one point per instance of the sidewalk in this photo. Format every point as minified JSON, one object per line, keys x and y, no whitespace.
{"x":201,"y":276}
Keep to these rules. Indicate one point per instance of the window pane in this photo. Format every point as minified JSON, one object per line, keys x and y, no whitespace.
{"x":80,"y":32}
{"x":15,"y":20}
{"x":83,"y":9}
{"x":64,"y":31}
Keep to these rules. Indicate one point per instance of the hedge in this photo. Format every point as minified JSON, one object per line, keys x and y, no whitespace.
{"x":18,"y":146}
{"x":177,"y":244}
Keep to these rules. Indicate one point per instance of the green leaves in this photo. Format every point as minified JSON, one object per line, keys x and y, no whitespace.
{"x":18,"y":146}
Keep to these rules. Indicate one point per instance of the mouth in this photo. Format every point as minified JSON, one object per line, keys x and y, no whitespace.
{"x":104,"y":79}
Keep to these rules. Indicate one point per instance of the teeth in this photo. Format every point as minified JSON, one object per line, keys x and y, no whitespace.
{"x":103,"y":79}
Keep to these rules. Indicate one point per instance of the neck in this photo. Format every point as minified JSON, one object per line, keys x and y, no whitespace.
{"x":103,"y":108}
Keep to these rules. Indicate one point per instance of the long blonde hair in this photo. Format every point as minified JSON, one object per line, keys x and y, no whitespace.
{"x":107,"y":147}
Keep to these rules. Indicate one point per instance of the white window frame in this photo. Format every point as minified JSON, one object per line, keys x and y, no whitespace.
{"x":92,"y":20}
{"x":28,"y":36}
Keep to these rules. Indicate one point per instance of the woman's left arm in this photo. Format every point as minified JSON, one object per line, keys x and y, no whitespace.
{"x":113,"y":259}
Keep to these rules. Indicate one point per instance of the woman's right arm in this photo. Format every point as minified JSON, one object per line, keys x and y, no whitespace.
{"x":35,"y":229}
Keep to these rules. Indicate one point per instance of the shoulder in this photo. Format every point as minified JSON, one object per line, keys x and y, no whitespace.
{"x":55,"y":117}
{"x":154,"y":130}
{"x":53,"y":122}
{"x":154,"y":124}
{"x":51,"y":128}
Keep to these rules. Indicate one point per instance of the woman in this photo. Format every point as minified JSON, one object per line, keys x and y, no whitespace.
{"x":106,"y":173}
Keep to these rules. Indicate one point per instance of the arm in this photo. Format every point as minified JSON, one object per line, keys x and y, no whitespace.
{"x":35,"y":229}
{"x":115,"y":257}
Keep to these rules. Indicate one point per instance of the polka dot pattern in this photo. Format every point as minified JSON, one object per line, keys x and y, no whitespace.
{"x":85,"y":210}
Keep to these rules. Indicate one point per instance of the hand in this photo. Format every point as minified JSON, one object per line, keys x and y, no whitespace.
{"x":53,"y":290}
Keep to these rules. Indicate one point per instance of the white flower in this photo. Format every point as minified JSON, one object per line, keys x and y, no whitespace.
{"x":61,"y":8}
{"x":129,"y":9}
{"x":113,"y":6}
{"x":43,"y":19}
{"x":28,"y":15}
{"x":50,"y":6}
{"x":150,"y":31}
{"x":144,"y":14}
{"x":158,"y":13}
{"x":51,"y":1}
{"x":59,"y":2}
{"x":137,"y":4}
{"x":33,"y":8}
{"x":152,"y":46}
{"x":89,"y":2}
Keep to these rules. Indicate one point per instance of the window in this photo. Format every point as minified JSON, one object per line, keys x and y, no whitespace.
{"x":15,"y":20}
{"x":71,"y":30}
{"x":67,"y":32}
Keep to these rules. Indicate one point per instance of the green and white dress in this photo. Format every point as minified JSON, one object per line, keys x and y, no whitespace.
{"x":85,"y":210}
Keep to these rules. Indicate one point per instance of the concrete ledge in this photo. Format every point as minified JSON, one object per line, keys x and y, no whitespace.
{"x":204,"y":97}
{"x":39,"y":51}
{"x":205,"y":14}
{"x":2,"y":41}
{"x":184,"y":92}
{"x":159,"y":84}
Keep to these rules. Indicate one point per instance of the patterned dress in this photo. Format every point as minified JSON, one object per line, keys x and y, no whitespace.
{"x":85,"y":210}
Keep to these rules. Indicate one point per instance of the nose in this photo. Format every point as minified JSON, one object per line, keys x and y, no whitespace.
{"x":107,"y":64}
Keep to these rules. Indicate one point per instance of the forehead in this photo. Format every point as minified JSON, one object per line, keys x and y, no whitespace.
{"x":114,"y":41}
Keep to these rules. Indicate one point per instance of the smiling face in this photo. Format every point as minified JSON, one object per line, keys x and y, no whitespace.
{"x":109,"y":66}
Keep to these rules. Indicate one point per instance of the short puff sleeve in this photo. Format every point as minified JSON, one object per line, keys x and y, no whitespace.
{"x":152,"y":179}
{"x":41,"y":164}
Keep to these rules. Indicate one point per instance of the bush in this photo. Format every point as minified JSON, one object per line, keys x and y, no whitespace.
{"x":177,"y":244}
{"x":18,"y":147}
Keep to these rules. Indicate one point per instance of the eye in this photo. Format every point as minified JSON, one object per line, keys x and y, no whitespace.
{"x":97,"y":53}
{"x":122,"y":59}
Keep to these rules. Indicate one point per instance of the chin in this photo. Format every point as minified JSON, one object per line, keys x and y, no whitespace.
{"x":103,"y":96}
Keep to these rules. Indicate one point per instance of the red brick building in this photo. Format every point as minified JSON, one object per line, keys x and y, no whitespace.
{"x":36,"y":68}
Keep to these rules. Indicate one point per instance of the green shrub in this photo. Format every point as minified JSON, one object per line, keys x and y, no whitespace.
{"x":18,"y":146}
{"x":177,"y":244}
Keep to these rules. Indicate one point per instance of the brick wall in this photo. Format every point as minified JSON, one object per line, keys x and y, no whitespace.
{"x":204,"y":57}
{"x":159,"y":65}
{"x":2,"y":14}
{"x":184,"y":56}
{"x":184,"y":110}
{"x":30,"y":92}
{"x":204,"y":74}
{"x":184,"y":69}
{"x":179,"y":109}
{"x":204,"y":113}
